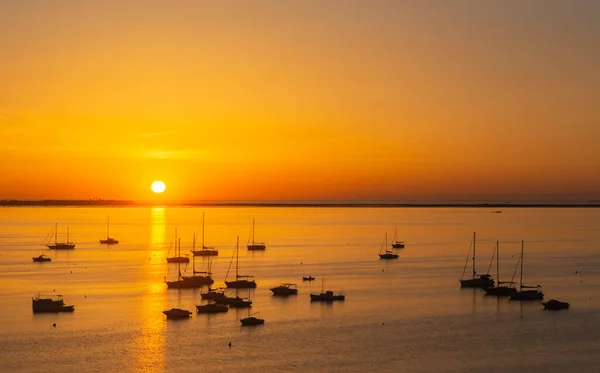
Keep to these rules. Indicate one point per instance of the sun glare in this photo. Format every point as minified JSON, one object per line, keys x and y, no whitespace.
{"x":158,"y":186}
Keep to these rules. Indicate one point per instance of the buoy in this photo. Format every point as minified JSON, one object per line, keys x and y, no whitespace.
{"x":229,"y":344}
{"x":54,"y":325}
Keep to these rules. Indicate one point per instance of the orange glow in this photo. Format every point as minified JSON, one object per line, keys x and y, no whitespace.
{"x":272,"y":103}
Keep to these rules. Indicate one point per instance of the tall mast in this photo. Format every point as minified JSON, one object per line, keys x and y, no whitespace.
{"x":474,"y":273}
{"x":203,"y":231}
{"x":107,"y":225}
{"x":55,"y":233}
{"x":386,"y":248}
{"x":67,"y":234}
{"x":253,"y":219}
{"x":237,"y":257}
{"x":178,"y":260}
{"x":193,"y":255}
{"x":521,"y":285}
{"x":498,"y":262}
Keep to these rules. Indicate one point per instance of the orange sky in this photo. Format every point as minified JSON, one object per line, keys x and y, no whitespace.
{"x":294,"y":100}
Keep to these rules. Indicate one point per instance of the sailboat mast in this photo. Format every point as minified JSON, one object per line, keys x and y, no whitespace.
{"x":67,"y":234}
{"x":107,"y":225}
{"x":521,"y":283}
{"x":237,"y":257}
{"x":203,"y":231}
{"x":179,"y":261}
{"x":194,"y":255}
{"x":474,"y":273}
{"x":498,"y":262}
{"x":253,"y":219}
{"x":55,"y":233}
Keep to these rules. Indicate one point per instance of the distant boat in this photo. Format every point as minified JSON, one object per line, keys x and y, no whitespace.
{"x":41,"y":258}
{"x":213,"y":294}
{"x":395,"y":243}
{"x":212,"y":308}
{"x":285,"y":289}
{"x":198,"y":278}
{"x":58,"y":245}
{"x":241,"y":282}
{"x":326,"y":296}
{"x":234,"y":302}
{"x":478,"y":281}
{"x":251,"y":320}
{"x":534,"y":292}
{"x":388,"y":254}
{"x":50,"y":304}
{"x":205,"y":251}
{"x":308,"y":278}
{"x":256,"y":246}
{"x":504,"y":287}
{"x":177,"y":258}
{"x":177,"y":314}
{"x":497,"y":212}
{"x":108,"y":240}
{"x":554,"y":305}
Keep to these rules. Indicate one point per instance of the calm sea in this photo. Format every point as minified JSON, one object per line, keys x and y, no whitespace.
{"x":405,"y":315}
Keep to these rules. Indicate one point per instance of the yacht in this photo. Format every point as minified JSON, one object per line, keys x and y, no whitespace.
{"x":478,"y":280}
{"x":177,"y":313}
{"x":50,"y":304}
{"x":41,"y":258}
{"x":285,"y":289}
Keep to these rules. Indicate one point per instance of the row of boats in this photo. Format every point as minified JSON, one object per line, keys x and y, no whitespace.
{"x":506,"y":288}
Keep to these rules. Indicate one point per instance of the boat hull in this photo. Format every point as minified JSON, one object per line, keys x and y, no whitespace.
{"x":477,"y":283}
{"x":527,"y":295}
{"x":62,"y":246}
{"x":177,"y":314}
{"x":178,"y":259}
{"x":310,"y":278}
{"x":388,"y":256}
{"x":398,"y":245}
{"x":49,"y":305}
{"x":240,"y":284}
{"x":328,"y":296}
{"x":256,"y":247}
{"x":205,"y":252}
{"x":500,"y":291}
{"x":555,"y":305}
{"x":212,"y":308}
{"x":284,"y":291}
{"x":41,"y":259}
{"x":252,"y":321}
{"x":190,"y":282}
{"x":109,"y":241}
{"x":233,"y":302}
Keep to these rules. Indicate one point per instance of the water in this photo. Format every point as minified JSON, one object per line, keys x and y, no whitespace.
{"x":406,"y":315}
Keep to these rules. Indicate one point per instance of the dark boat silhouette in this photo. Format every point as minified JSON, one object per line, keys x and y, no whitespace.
{"x":213,"y":294}
{"x":478,"y":280}
{"x":177,"y":314}
{"x":241,"y":282}
{"x":212,"y":308}
{"x":326,"y":296}
{"x":527,"y":292}
{"x":108,"y":240}
{"x":395,"y":243}
{"x":205,"y":251}
{"x":308,"y":278}
{"x":41,"y":258}
{"x":251,"y":320}
{"x":504,"y":288}
{"x":50,"y":304}
{"x":554,"y":305}
{"x":177,"y":258}
{"x":285,"y":289}
{"x":58,"y":245}
{"x":256,"y":246}
{"x":388,"y":254}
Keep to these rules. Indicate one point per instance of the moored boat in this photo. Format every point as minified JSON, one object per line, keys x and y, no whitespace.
{"x":212,"y":308}
{"x":478,"y":280}
{"x":50,"y":304}
{"x":326,"y":296}
{"x":241,"y":282}
{"x":285,"y":289}
{"x":108,"y":240}
{"x":177,"y":313}
{"x":251,"y":320}
{"x":504,"y":288}
{"x":41,"y":258}
{"x":527,"y":292}
{"x":554,"y":305}
{"x":58,"y":245}
{"x":206,"y":250}
{"x":308,"y":278}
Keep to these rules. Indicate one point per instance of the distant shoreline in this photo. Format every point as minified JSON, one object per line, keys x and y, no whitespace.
{"x":120,"y":203}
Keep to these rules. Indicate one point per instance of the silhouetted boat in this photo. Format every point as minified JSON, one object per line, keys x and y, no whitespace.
{"x":179,"y":283}
{"x":395,"y":243}
{"x":255,"y":245}
{"x":309,"y":278}
{"x":534,"y":292}
{"x":205,"y":251}
{"x":50,"y":304}
{"x":177,"y":313}
{"x":41,"y":258}
{"x":198,"y":278}
{"x":285,"y":289}
{"x":212,"y":308}
{"x":108,"y":240}
{"x":388,"y":253}
{"x":554,"y":305}
{"x":58,"y":245}
{"x":504,"y":288}
{"x":251,"y":320}
{"x":178,"y":258}
{"x":213,"y":294}
{"x":326,"y":296}
{"x":241,"y":282}
{"x":235,"y":302}
{"x":478,"y":281}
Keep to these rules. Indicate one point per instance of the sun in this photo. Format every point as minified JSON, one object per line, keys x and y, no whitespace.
{"x":158,"y":186}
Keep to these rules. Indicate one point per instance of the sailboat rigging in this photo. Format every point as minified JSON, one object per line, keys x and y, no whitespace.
{"x":255,"y":245}
{"x":58,"y":245}
{"x":478,"y":280}
{"x":109,"y":240}
{"x":504,"y":287}
{"x":241,"y":282}
{"x":388,"y":253}
{"x":205,"y":251}
{"x":177,"y":258}
{"x":534,"y":292}
{"x":395,"y":243}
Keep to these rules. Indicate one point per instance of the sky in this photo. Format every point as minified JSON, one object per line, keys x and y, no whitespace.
{"x":300,"y":100}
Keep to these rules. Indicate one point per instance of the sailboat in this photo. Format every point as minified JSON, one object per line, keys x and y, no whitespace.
{"x":205,"y":251}
{"x":251,"y":320}
{"x":178,"y":284}
{"x":388,"y":253}
{"x":255,"y":245}
{"x":108,"y":240}
{"x":395,"y":243}
{"x":534,"y":292}
{"x":58,"y":245}
{"x":197,"y":280}
{"x":478,"y":281}
{"x":504,"y":287}
{"x":241,"y":282}
{"x":178,"y":258}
